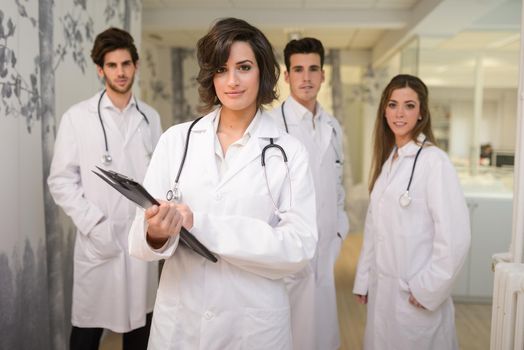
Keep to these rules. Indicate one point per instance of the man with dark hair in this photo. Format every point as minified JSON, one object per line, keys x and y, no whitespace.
{"x":312,"y":290}
{"x":115,"y":131}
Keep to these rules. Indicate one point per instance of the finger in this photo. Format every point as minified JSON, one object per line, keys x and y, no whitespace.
{"x":150,"y":212}
{"x":175,"y":218}
{"x":165,"y":210}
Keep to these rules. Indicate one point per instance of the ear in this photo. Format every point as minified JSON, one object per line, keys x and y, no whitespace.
{"x":286,"y":76}
{"x":100,"y":71}
{"x":323,"y":75}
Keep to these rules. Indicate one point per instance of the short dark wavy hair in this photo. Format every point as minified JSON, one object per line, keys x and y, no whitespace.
{"x":213,"y":52}
{"x":110,"y":40}
{"x":304,"y":45}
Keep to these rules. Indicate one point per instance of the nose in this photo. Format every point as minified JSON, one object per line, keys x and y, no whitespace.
{"x":306,"y":75}
{"x":232,"y":79}
{"x":400,"y":112}
{"x":120,"y":70}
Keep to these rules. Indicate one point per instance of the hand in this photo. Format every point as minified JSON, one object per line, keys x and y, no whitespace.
{"x":415,"y":303}
{"x":362,"y":299}
{"x":187,"y":215}
{"x":164,"y":221}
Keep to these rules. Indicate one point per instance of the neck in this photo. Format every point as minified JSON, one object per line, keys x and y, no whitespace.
{"x":310,"y":105}
{"x":119,"y":100}
{"x":236,"y":122}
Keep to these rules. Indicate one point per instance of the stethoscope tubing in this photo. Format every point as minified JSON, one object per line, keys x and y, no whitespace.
{"x":106,"y":144}
{"x":175,"y":194}
{"x":414,"y":165}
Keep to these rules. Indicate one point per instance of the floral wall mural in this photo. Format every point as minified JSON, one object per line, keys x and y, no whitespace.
{"x":44,"y":69}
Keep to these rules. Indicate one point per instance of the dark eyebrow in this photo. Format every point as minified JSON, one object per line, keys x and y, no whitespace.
{"x":245,"y":61}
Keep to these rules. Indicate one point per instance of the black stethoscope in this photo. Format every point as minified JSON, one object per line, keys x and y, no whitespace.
{"x":405,"y":198}
{"x":175,"y":194}
{"x":106,"y":157}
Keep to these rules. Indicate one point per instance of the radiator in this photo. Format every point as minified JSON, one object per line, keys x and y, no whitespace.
{"x":507,"y":317}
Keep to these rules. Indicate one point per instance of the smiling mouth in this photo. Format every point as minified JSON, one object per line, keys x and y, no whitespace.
{"x":234,"y":93}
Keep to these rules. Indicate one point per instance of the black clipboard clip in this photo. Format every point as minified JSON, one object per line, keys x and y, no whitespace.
{"x":136,"y":193}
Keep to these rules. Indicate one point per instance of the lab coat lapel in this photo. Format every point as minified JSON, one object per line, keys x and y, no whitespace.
{"x":253,"y":148}
{"x":404,"y":154}
{"x":203,"y":139}
{"x":326,"y":136}
{"x":135,"y":121}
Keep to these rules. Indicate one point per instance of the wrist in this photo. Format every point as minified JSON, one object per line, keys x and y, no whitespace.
{"x":156,"y":242}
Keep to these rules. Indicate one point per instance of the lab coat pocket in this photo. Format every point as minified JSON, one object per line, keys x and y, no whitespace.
{"x":416,"y":320}
{"x":266,"y":329}
{"x":101,"y":243}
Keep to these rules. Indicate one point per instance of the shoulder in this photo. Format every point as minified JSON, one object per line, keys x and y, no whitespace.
{"x":77,"y":112}
{"x":179,"y":131}
{"x":83,"y":106}
{"x":147,"y":109}
{"x":436,"y":160}
{"x":435,"y":154}
{"x":150,"y":113}
{"x":276,"y":115}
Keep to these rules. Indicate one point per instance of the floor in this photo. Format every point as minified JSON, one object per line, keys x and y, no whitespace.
{"x":472,"y":320}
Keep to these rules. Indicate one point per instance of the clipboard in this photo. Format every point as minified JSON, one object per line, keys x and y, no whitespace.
{"x":136,"y":193}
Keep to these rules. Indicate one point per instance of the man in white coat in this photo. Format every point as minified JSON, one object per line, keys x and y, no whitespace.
{"x":312,"y":291}
{"x":115,"y":131}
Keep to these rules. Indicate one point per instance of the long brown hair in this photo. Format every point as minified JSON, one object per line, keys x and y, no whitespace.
{"x":383,"y":137}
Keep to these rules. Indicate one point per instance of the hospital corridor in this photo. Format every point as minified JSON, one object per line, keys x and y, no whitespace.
{"x":403,"y":119}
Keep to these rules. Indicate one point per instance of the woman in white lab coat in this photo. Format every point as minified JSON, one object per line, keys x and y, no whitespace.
{"x":417,"y":230}
{"x":239,"y":302}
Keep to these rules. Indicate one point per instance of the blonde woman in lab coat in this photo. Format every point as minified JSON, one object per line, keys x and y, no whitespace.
{"x":239,"y":302}
{"x":415,"y":241}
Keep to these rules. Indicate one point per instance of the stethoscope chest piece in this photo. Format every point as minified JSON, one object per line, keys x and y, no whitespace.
{"x":107,"y":159}
{"x":174,"y":194}
{"x":405,"y":199}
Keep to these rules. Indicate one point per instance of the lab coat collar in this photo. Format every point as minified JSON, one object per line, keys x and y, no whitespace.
{"x":106,"y":102}
{"x":136,"y":118}
{"x":411,"y":148}
{"x":297,"y":112}
{"x":266,"y":129}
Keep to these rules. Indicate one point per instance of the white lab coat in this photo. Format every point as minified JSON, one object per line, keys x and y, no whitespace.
{"x":312,"y":290}
{"x":111,"y":289}
{"x":418,"y":249}
{"x":240,"y":302}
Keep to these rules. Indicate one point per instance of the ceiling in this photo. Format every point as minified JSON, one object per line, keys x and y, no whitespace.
{"x":372,"y":29}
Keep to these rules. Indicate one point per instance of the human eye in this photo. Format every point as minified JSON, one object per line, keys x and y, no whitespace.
{"x":410,"y":106}
{"x":391,"y":104}
{"x":314,"y":69}
{"x":244,"y":67}
{"x":297,"y":69}
{"x":220,"y":70}
{"x":111,"y":65}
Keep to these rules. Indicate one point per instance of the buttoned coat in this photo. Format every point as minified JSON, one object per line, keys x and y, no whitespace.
{"x":240,"y":302}
{"x":418,"y":249}
{"x":111,"y":289}
{"x":312,"y":290}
